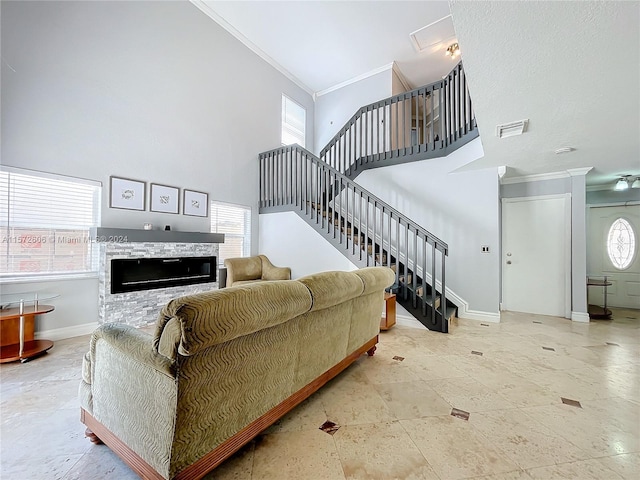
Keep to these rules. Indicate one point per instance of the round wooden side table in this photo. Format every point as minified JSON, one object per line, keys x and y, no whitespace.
{"x":17,"y":326}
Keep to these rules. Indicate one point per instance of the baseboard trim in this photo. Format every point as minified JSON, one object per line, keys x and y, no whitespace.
{"x":407,"y":321}
{"x":479,"y":315}
{"x":582,"y":317}
{"x":468,"y":314}
{"x":67,"y":332}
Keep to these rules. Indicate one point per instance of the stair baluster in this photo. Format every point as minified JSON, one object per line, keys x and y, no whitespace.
{"x":292,"y":178}
{"x":429,"y":121}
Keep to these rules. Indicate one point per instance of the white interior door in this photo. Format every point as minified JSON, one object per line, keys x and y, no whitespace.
{"x":536,"y":242}
{"x":625,"y":283}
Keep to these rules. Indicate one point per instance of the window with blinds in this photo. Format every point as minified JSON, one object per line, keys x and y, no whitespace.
{"x":293,"y":122}
{"x":235,"y":222}
{"x":44,"y":224}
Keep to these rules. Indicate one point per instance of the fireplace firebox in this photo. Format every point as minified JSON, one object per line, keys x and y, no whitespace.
{"x":134,"y":274}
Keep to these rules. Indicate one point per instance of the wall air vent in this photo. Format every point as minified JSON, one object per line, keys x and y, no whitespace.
{"x":511,"y":129}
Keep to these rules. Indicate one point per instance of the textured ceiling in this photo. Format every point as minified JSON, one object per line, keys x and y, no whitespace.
{"x":571,"y":68}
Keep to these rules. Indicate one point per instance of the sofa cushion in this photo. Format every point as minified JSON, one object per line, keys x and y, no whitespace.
{"x":330,"y":288}
{"x":214,"y":317}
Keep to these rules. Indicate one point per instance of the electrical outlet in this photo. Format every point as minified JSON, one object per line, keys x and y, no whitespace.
{"x":485,"y":248}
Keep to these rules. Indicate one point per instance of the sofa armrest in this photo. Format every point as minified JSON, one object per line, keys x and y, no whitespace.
{"x":133,"y":392}
{"x":132,"y":343}
{"x":271,"y":272}
{"x":375,"y":278}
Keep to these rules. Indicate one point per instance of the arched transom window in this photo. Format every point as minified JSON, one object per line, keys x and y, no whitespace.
{"x":621,"y":244}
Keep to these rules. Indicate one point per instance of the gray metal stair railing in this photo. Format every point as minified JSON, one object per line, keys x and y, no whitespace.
{"x":360,"y":224}
{"x":425,"y":122}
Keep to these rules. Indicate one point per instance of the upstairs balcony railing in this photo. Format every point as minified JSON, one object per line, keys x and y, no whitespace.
{"x":428,"y":121}
{"x":359,"y":223}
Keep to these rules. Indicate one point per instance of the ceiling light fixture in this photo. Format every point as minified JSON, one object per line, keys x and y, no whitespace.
{"x":636,"y":183}
{"x":453,"y":50}
{"x":622,"y":183}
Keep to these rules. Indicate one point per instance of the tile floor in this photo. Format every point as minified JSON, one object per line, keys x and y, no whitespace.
{"x":394,"y":410}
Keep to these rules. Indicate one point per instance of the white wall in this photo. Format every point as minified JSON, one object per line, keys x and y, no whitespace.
{"x":154,"y":91}
{"x":460,"y":208}
{"x":290,"y":242}
{"x":334,"y":109}
{"x":76,"y":308}
{"x":612,"y":196}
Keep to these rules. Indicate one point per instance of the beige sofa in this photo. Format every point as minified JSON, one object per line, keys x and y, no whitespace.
{"x":222,"y":366}
{"x":253,"y":269}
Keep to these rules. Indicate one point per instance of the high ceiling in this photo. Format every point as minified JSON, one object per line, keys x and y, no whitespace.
{"x":324,"y":43}
{"x":571,"y":68}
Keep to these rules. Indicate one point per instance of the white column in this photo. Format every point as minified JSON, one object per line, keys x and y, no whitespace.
{"x":579,"y":309}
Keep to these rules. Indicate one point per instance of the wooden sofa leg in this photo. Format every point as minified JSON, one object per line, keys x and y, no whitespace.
{"x":92,"y":437}
{"x":371,"y":351}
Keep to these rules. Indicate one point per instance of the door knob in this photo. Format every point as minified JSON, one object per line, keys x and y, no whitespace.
{"x":508,"y":254}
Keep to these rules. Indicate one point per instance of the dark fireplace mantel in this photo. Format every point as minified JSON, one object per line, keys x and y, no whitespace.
{"x":130,"y":235}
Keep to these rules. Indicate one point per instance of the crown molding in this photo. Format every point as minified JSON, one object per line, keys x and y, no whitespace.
{"x":209,"y":12}
{"x":368,"y":74}
{"x":538,"y":177}
{"x":577,"y":172}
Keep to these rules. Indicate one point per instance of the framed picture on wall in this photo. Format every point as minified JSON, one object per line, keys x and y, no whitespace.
{"x":195,"y":203}
{"x":164,"y":198}
{"x":126,"y":193}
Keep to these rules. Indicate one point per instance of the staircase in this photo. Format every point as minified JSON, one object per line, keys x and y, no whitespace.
{"x":427,"y":122}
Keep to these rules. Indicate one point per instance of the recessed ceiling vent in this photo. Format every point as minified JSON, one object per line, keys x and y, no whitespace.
{"x":511,"y":129}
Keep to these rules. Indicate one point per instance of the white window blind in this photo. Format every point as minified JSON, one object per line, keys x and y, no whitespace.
{"x":235,"y":222}
{"x":44,"y":223}
{"x":293,"y":122}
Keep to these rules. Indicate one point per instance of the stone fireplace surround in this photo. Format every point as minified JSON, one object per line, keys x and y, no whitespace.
{"x":142,"y":307}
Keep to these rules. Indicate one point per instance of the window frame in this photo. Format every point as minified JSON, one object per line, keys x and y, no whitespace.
{"x":284,"y":126}
{"x":247,"y":227}
{"x":76,"y":229}
{"x":634,"y":244}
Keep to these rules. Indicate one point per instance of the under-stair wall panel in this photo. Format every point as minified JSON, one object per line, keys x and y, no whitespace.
{"x":305,"y":251}
{"x":289,"y":241}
